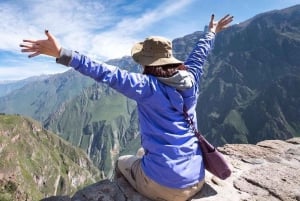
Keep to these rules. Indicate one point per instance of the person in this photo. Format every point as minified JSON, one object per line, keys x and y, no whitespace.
{"x":171,"y":167}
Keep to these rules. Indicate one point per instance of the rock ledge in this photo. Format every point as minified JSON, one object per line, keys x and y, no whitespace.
{"x":268,"y":170}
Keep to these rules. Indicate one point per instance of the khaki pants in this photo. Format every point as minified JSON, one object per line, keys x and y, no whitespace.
{"x":130,"y":167}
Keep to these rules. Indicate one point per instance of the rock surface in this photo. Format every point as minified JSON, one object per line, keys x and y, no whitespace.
{"x":268,"y":170}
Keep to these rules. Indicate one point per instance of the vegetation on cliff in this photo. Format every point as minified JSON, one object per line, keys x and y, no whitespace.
{"x":35,"y":163}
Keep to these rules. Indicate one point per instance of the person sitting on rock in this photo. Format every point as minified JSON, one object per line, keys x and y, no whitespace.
{"x":171,"y":168}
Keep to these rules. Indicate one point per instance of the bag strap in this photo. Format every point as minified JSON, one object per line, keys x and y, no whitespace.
{"x":198,"y":134}
{"x":191,"y":123}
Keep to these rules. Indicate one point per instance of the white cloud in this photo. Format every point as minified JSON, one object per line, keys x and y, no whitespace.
{"x":92,"y":27}
{"x":88,"y":26}
{"x":117,"y":42}
{"x":29,"y":19}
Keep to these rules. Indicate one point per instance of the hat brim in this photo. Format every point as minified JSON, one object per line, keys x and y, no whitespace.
{"x":136,"y":53}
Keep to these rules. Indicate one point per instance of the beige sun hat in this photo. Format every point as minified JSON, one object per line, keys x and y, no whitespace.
{"x":154,"y":51}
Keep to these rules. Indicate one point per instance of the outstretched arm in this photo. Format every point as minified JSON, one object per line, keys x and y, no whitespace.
{"x":199,"y":54}
{"x":49,"y":46}
{"x":131,"y":85}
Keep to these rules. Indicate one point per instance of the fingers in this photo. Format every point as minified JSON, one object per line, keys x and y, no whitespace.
{"x":48,"y":46}
{"x":226,"y":20}
{"x":29,"y":41}
{"x":30,"y":50}
{"x":34,"y":54}
{"x":223,"y":21}
{"x":222,"y":24}
{"x":212,"y":18}
{"x":29,"y":47}
{"x":32,"y":46}
{"x":49,"y":35}
{"x":225,"y":17}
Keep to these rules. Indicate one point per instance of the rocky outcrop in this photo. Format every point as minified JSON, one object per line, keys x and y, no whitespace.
{"x":268,"y":170}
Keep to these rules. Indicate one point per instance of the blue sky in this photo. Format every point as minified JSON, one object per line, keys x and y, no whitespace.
{"x":106,"y":29}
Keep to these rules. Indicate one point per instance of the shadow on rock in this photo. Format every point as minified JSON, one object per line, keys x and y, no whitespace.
{"x":206,"y":191}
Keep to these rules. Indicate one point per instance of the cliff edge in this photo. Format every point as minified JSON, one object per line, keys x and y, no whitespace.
{"x":268,"y":170}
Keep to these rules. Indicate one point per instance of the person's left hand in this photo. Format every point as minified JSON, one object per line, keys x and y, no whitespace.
{"x":49,"y":46}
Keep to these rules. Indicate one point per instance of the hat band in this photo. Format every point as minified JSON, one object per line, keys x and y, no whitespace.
{"x":157,"y":54}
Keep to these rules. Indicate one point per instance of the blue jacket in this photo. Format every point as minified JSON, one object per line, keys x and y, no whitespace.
{"x":172,"y":158}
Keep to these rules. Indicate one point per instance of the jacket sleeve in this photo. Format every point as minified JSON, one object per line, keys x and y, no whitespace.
{"x":198,"y":56}
{"x":132,"y":85}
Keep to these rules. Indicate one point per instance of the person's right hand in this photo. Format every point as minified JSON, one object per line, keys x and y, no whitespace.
{"x":49,"y":46}
{"x":217,"y":26}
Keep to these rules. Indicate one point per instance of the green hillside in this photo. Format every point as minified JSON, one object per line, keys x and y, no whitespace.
{"x":35,"y":163}
{"x":100,"y":122}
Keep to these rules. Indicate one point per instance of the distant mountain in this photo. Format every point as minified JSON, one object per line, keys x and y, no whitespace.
{"x":182,"y":47}
{"x":41,"y":98}
{"x":35,"y":163}
{"x":126,"y":63}
{"x":100,"y":121}
{"x":250,"y":91}
{"x":7,"y":87}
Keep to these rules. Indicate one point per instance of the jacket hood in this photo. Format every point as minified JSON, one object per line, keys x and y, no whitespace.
{"x":181,"y":80}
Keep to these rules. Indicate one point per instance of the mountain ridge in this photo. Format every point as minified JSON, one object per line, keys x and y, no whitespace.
{"x":248,"y":75}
